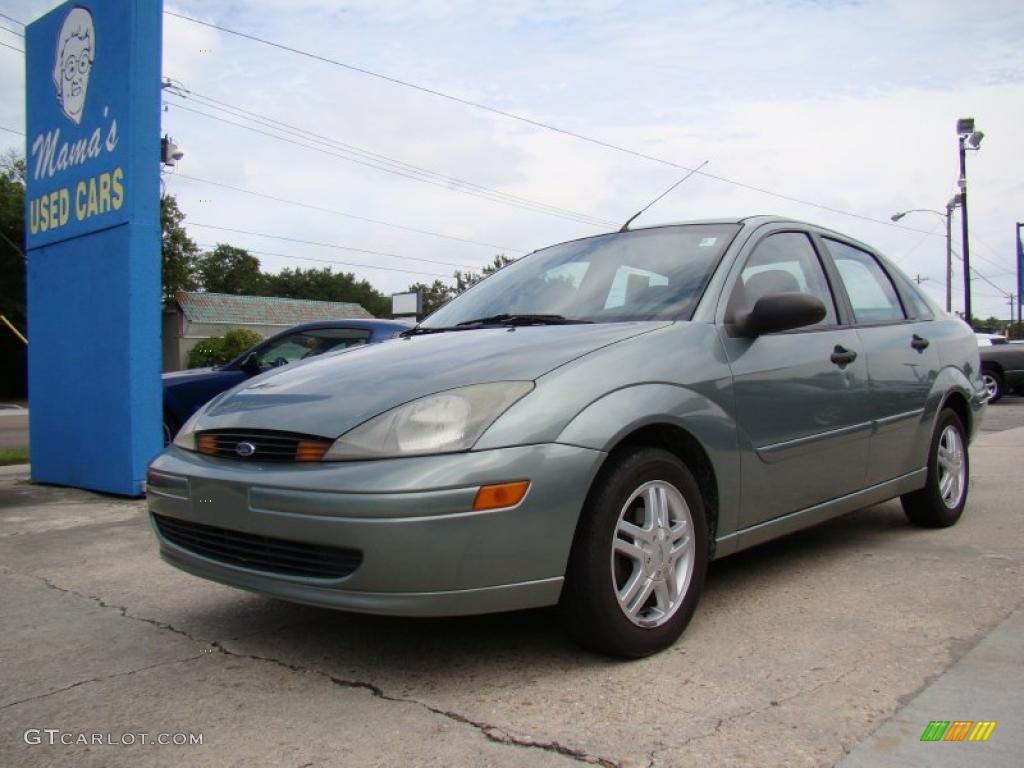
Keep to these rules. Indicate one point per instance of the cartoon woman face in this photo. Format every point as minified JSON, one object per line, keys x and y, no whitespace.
{"x":75,"y":51}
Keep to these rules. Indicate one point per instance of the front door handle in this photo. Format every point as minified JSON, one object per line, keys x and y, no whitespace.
{"x":919,"y":343}
{"x":843,"y":356}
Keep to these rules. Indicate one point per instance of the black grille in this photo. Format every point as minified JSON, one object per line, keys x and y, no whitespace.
{"x":261,"y":553}
{"x":269,"y":445}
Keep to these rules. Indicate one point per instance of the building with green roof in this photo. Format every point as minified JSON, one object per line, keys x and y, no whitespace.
{"x":195,"y":315}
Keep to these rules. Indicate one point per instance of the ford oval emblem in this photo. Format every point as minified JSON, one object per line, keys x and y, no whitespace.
{"x":245,"y":449}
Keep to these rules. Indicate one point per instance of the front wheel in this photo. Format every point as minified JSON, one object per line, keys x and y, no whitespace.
{"x":941,"y":502}
{"x":639,"y":557}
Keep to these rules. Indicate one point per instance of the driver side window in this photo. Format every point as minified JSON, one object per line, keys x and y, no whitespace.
{"x":782,"y":263}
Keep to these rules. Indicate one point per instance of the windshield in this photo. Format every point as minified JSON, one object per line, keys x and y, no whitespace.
{"x":649,"y":274}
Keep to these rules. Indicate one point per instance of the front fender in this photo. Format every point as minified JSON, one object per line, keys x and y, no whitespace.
{"x":607,"y":421}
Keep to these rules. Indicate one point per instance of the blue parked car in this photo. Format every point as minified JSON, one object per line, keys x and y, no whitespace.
{"x":185,"y":391}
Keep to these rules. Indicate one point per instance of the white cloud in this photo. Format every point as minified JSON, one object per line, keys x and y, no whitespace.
{"x":848,"y":104}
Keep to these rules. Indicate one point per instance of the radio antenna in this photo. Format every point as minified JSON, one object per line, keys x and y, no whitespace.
{"x":630,"y":220}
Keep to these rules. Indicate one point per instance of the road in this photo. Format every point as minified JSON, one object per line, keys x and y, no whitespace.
{"x":799,"y":651}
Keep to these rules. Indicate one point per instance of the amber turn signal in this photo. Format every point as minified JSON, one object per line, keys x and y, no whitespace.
{"x":501,"y":495}
{"x":311,"y":450}
{"x":207,"y":444}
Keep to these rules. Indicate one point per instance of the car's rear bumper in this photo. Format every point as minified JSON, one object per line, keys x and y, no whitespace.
{"x":424,"y":551}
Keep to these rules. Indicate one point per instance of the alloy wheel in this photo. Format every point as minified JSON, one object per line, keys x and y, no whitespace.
{"x":653,"y":553}
{"x":951,"y":466}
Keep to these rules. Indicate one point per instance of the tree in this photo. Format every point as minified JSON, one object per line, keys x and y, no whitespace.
{"x":177,"y":250}
{"x":434,"y":295}
{"x":326,"y":285}
{"x":12,"y":272}
{"x":227,"y":269}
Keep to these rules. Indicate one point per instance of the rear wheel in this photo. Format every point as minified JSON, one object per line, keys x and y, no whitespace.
{"x":639,"y":558}
{"x":993,"y":384}
{"x":941,"y":502}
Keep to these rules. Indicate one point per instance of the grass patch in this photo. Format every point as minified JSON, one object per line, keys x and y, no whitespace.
{"x":13,"y":456}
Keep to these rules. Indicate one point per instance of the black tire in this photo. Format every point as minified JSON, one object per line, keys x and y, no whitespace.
{"x":589,"y":604}
{"x":993,"y":383}
{"x":170,"y":429}
{"x":927,"y":507}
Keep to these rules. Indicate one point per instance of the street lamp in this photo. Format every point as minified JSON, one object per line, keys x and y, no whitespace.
{"x":968,"y":139}
{"x":950,"y":207}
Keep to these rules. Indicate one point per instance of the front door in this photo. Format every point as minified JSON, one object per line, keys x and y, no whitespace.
{"x":801,"y":396}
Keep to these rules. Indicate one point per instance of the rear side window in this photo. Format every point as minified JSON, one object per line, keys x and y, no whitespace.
{"x":872,"y":294}
{"x":916,"y":305}
{"x":782,"y":263}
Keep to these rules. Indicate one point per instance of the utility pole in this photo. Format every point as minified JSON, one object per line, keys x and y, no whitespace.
{"x":919,"y":278}
{"x":950,"y":207}
{"x":1020,"y":276}
{"x":966,"y":135}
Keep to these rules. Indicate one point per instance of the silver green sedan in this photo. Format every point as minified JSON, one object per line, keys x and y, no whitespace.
{"x":588,"y":427}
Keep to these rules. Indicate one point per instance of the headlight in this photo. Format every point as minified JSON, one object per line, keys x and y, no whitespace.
{"x":186,"y":437}
{"x":442,"y":423}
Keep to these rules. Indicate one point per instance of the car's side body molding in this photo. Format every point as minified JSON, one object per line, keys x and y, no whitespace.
{"x":819,"y":513}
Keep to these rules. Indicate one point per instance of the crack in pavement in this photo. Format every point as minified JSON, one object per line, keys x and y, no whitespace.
{"x":491,"y":732}
{"x":101,"y":679}
{"x":723,"y":721}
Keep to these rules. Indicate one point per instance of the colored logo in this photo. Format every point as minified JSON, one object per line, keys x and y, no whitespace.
{"x":76,"y":49}
{"x":245,"y":449}
{"x":958,"y":730}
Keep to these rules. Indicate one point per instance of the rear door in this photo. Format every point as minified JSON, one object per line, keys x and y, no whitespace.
{"x":895,"y":329}
{"x":801,"y":395}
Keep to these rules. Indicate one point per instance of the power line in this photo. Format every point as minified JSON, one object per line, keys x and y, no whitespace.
{"x":11,"y":130}
{"x":329,"y":245}
{"x":536,"y":123}
{"x":11,"y":18}
{"x":13,"y":48}
{"x":347,"y":215}
{"x":12,"y":31}
{"x":339,"y":263}
{"x":422,"y":176}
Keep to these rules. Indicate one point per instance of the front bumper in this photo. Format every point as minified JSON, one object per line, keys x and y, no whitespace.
{"x":425,"y":552}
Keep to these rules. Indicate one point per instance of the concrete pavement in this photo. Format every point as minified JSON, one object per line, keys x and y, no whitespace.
{"x":800,"y":651}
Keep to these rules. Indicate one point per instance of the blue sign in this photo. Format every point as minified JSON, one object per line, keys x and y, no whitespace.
{"x":92,"y":216}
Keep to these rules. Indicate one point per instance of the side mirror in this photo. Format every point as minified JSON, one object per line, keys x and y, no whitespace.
{"x":781,"y":312}
{"x":251,"y":364}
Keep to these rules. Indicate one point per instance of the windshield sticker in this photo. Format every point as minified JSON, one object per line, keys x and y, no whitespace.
{"x":705,"y":242}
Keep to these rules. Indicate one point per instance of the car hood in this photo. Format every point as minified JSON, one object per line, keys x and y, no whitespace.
{"x":191,"y":375}
{"x":329,"y":395}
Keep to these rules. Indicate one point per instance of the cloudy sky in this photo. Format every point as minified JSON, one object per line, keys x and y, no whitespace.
{"x":838,"y":108}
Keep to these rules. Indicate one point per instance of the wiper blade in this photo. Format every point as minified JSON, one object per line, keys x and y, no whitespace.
{"x":503,"y":319}
{"x":512,"y":319}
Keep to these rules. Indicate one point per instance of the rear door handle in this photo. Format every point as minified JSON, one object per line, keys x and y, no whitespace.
{"x":843,"y":356}
{"x":919,"y":343}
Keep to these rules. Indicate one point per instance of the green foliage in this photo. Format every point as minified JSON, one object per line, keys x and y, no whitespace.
{"x":227,"y":269}
{"x":178,"y":253}
{"x":237,"y":340}
{"x":217,"y":350}
{"x":12,"y":238}
{"x":10,"y":456}
{"x":991,"y":325}
{"x":326,"y":285}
